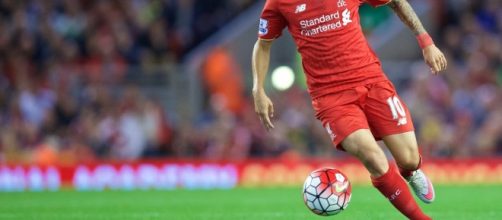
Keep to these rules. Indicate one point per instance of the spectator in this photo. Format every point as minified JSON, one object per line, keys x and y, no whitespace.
{"x":63,"y":97}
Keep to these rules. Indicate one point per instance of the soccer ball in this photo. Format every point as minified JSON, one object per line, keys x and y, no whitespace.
{"x":327,"y":191}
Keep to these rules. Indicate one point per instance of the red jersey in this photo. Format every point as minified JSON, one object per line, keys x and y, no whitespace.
{"x":329,"y":37}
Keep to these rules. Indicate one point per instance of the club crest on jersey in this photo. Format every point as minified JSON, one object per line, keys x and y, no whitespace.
{"x":346,"y":17}
{"x":301,"y":8}
{"x":263,"y":27}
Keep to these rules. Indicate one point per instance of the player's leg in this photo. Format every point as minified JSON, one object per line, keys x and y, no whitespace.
{"x":385,"y":177}
{"x":348,"y":127}
{"x":347,"y":124}
{"x":390,"y":119}
{"x":386,"y":117}
{"x":363,"y":146}
{"x":404,"y":149}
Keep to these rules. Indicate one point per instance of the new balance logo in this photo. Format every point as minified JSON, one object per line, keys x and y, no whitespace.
{"x":402,"y":121}
{"x":301,"y":8}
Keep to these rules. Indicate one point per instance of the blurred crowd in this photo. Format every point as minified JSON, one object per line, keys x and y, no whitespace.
{"x":63,"y":64}
{"x":460,"y":113}
{"x":63,"y":96}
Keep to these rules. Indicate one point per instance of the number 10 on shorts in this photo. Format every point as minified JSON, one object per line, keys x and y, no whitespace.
{"x":397,"y":110}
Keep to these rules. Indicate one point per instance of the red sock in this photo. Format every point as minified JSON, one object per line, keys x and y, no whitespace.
{"x":407,"y":173}
{"x":393,"y":187}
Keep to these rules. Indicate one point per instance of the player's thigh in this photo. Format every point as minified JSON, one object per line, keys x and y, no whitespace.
{"x":341,"y":121}
{"x":390,"y":120}
{"x":362,"y":145}
{"x":340,"y":115}
{"x":386,"y":112}
{"x":404,"y":149}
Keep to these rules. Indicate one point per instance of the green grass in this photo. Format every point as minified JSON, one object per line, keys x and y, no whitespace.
{"x":453,"y":202}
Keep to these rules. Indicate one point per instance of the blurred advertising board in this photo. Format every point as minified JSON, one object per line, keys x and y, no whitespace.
{"x":196,"y":174}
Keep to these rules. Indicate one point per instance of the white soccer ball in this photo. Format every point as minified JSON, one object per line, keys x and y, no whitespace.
{"x":327,"y":191}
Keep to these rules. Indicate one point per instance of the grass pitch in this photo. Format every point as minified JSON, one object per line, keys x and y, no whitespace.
{"x":452,"y":202}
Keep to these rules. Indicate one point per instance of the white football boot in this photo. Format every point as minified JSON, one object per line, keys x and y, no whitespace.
{"x":422,"y":186}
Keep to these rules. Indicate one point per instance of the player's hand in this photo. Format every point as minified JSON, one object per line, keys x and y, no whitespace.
{"x":435,"y":59}
{"x":264,"y":108}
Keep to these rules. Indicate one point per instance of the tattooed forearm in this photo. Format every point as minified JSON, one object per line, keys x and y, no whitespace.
{"x":406,"y":13}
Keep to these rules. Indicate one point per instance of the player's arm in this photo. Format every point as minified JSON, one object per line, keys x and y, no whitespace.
{"x":432,"y":55}
{"x":270,"y":27}
{"x":260,"y":62}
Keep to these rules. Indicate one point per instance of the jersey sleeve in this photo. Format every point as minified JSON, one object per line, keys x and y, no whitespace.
{"x":271,"y":21}
{"x":376,"y":3}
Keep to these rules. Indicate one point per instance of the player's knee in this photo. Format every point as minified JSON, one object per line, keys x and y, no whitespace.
{"x":362,"y":145}
{"x":373,"y":158}
{"x":404,"y":148}
{"x":408,"y":161}
{"x":375,"y":161}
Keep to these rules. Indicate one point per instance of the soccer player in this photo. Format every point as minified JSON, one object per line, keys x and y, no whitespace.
{"x":350,"y":94}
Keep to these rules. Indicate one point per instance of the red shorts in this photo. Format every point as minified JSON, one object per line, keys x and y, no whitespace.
{"x":374,"y":106}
